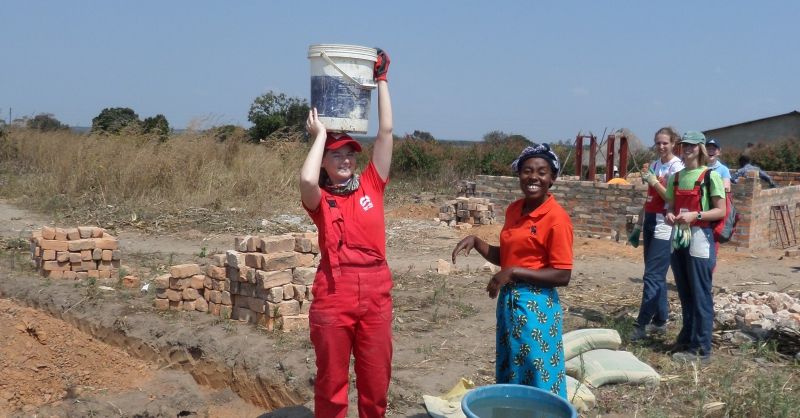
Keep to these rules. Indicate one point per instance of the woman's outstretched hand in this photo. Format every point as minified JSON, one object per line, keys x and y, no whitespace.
{"x":465,"y":245}
{"x":314,"y":126}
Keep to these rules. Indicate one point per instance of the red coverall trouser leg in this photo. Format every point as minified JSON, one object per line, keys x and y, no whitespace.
{"x":352,"y":314}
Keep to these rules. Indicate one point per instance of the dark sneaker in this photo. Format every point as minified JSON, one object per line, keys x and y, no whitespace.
{"x":656,"y":329}
{"x":638,"y":334}
{"x":690,"y":357}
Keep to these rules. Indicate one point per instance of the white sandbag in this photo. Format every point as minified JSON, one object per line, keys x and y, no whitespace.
{"x":588,"y":339}
{"x":600,"y":367}
{"x":579,"y":395}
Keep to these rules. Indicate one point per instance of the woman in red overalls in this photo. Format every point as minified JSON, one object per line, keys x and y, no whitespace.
{"x":352,"y":308}
{"x":693,"y":206}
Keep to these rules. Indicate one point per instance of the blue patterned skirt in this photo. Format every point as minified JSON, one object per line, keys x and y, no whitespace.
{"x":530,"y":349}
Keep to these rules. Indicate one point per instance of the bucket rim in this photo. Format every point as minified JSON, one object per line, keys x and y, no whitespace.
{"x":480,"y":393}
{"x":343,"y":50}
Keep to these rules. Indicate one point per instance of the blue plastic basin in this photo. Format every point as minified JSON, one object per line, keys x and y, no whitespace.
{"x":515,"y":401}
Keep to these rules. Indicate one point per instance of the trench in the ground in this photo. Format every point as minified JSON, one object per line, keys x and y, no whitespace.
{"x":252,"y":388}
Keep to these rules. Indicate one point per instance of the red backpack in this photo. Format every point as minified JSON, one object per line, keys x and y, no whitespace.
{"x":725,"y":227}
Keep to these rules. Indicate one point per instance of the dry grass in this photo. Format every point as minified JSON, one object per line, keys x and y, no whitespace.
{"x":191,"y":180}
{"x":61,"y":170}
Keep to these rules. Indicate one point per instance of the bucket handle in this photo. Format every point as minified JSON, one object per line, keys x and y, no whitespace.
{"x":347,"y":76}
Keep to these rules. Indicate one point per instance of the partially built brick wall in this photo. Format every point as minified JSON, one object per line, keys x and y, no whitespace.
{"x":785,"y":178}
{"x":603,"y":210}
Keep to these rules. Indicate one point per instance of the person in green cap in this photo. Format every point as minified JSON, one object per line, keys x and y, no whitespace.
{"x":693,"y":204}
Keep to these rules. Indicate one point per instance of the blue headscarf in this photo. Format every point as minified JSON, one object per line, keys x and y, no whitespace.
{"x":538,"y":151}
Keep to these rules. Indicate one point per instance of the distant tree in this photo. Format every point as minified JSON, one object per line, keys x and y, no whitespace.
{"x":229,"y":133}
{"x":422,"y":136}
{"x":156,"y":125}
{"x":45,"y":122}
{"x":498,"y":137}
{"x":270,"y":112}
{"x":115,"y":120}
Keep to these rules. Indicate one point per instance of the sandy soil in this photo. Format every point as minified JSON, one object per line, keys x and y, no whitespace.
{"x":443,"y":328}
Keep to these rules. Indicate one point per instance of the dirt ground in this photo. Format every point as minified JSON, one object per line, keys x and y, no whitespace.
{"x":76,"y":350}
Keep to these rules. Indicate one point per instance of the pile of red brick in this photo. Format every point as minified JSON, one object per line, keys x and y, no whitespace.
{"x":75,"y":253}
{"x":265,"y":281}
{"x":469,"y":210}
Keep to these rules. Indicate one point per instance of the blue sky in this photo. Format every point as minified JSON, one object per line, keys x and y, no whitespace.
{"x":546,"y":70}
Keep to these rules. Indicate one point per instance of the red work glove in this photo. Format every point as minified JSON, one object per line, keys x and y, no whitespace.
{"x":381,"y":66}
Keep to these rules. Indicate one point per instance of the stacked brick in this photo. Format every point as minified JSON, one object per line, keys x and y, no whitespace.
{"x":190,"y":287}
{"x":75,"y":253}
{"x":270,"y":279}
{"x":266,"y":281}
{"x":469,"y":210}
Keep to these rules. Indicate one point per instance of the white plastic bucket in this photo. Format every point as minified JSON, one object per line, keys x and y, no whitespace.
{"x":341,"y":85}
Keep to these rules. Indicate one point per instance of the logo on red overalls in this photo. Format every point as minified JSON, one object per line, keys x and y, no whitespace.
{"x":366,"y":203}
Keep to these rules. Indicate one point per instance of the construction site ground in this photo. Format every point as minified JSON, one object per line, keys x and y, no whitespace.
{"x":94,"y":348}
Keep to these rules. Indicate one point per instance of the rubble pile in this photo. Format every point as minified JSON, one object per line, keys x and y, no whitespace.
{"x":759,"y":316}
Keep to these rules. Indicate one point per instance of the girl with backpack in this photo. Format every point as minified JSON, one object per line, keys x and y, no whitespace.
{"x":654,"y":310}
{"x":693,"y":207}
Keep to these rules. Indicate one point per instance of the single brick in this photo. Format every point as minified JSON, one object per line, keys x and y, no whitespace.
{"x":278,"y":244}
{"x":299,"y":291}
{"x":73,"y":234}
{"x":197,"y":281}
{"x":57,"y":245}
{"x":61,"y":234}
{"x":268,"y":279}
{"x":184,"y":270}
{"x":235,"y":259}
{"x":215,"y":272}
{"x":85,"y":231}
{"x":279,"y":261}
{"x":240,"y":243}
{"x":173,"y":295}
{"x":288,"y":291}
{"x":218,"y":260}
{"x":161,"y":304}
{"x":75,"y":257}
{"x":107,"y":255}
{"x":106,"y":243}
{"x":48,"y":233}
{"x":253,"y":244}
{"x":295,"y":323}
{"x":252,"y":260}
{"x":81,"y":244}
{"x":274,"y":294}
{"x":48,"y":255}
{"x":55,"y":266}
{"x":283,"y":308}
{"x":305,"y":260}
{"x":97,"y":254}
{"x":190,"y":293}
{"x":86,"y":255}
{"x":162,"y":281}
{"x":201,"y":305}
{"x":304,"y":275}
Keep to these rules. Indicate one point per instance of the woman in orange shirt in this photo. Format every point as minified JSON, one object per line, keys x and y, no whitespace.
{"x":535,"y":256}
